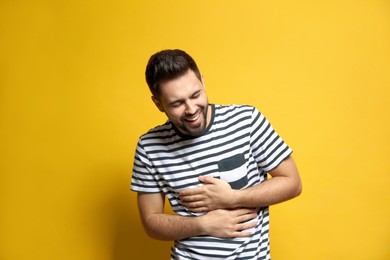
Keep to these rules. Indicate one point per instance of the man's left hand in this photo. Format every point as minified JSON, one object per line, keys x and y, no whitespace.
{"x":214,"y":194}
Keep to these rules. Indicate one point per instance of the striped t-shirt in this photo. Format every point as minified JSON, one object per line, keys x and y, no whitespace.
{"x":240,"y":146}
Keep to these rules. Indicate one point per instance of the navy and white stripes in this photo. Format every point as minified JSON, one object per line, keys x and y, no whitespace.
{"x":240,"y":147}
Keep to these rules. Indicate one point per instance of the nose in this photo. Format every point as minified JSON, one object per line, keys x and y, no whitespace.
{"x":190,"y":108}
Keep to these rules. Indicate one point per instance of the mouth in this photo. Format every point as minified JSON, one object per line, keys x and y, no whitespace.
{"x":193,"y":119}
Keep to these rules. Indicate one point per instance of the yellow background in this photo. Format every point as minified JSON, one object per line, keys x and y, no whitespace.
{"x":73,"y":102}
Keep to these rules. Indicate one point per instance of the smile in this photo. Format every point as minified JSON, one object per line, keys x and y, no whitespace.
{"x":193,"y":119}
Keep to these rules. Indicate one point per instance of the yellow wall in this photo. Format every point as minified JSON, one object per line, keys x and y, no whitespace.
{"x":73,"y":102}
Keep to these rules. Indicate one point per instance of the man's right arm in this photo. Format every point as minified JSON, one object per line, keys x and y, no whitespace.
{"x":218,"y":223}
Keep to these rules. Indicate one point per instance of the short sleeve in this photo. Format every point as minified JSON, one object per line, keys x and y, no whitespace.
{"x":267,"y":146}
{"x":143,"y":176}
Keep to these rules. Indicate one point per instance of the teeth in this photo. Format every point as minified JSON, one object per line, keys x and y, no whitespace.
{"x":194,"y":118}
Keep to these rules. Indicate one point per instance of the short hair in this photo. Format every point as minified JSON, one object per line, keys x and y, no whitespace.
{"x":167,"y":65}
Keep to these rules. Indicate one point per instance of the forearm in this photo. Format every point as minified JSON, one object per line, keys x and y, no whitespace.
{"x":285,"y":184}
{"x":270,"y":192}
{"x":217,"y":223}
{"x":164,"y":226}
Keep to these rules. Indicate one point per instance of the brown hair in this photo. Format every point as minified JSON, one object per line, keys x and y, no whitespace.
{"x":166,"y":65}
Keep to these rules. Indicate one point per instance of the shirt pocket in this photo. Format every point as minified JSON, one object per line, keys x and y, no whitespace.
{"x":234,"y":171}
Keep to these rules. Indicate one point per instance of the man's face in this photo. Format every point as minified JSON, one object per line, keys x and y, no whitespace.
{"x":184,"y":101}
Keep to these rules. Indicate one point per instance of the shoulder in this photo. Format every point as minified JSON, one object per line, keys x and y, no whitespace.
{"x":158,"y":129}
{"x":159,"y":133}
{"x":234,"y":109}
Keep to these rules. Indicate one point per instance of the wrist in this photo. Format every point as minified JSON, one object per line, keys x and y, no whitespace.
{"x":201,"y":224}
{"x":236,"y":199}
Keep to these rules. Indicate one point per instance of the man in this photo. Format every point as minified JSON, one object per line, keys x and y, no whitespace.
{"x":211,"y":162}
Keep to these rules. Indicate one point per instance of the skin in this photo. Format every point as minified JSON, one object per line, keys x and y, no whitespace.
{"x":185,"y":103}
{"x":285,"y":184}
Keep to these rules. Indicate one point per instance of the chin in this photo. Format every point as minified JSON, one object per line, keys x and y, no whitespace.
{"x":197,"y":132}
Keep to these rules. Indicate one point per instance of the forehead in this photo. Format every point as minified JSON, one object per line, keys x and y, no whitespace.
{"x":181,"y":87}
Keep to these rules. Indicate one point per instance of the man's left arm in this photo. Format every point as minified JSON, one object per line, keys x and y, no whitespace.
{"x":285,"y":184}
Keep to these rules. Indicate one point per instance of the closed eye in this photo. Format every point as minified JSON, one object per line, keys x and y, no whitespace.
{"x":196,"y":94}
{"x":176,"y":103}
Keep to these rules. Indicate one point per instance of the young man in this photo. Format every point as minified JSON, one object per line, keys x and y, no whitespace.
{"x":211,"y":162}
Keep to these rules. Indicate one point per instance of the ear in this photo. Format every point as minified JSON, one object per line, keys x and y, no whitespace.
{"x":158,"y":104}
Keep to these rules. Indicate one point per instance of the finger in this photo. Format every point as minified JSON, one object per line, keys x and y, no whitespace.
{"x":246,"y":217}
{"x":189,"y":192}
{"x":191,"y":198}
{"x":207,"y":179}
{"x":196,"y":207}
{"x":196,"y":204}
{"x":247,"y":225}
{"x":199,"y":209}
